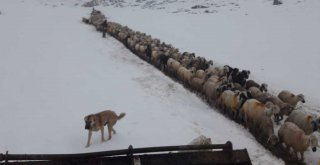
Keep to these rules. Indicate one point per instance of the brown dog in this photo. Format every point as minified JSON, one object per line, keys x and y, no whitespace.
{"x":96,"y":122}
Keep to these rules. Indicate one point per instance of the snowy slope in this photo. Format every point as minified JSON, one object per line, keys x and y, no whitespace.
{"x":55,"y":70}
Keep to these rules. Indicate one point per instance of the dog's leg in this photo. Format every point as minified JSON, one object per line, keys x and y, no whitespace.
{"x":102,"y":134}
{"x":114,"y":131}
{"x":109,"y":130}
{"x":89,"y":138}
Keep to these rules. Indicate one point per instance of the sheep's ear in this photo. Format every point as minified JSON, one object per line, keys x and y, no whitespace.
{"x":308,"y":141}
{"x":309,"y":118}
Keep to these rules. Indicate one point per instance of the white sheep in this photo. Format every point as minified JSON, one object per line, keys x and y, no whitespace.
{"x":210,"y":88}
{"x":173,"y":66}
{"x":196,"y":83}
{"x":263,"y":97}
{"x":155,"y":54}
{"x":305,"y":121}
{"x":294,"y":137}
{"x":201,"y":140}
{"x":266,"y":129}
{"x":200,"y":73}
{"x":185,"y":74}
{"x":258,"y":115}
{"x":252,"y":111}
{"x":231,"y":101}
{"x":290,"y":98}
{"x":219,"y":71}
{"x":255,"y":92}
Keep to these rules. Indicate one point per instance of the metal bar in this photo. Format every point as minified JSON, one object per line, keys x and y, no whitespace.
{"x":7,"y":157}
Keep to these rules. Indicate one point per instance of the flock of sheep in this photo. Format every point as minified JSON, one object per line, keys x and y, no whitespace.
{"x":228,"y":89}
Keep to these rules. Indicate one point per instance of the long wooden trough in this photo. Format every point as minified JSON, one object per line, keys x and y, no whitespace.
{"x":166,"y":155}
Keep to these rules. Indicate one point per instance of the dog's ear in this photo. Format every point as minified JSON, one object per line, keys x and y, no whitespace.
{"x":87,"y":117}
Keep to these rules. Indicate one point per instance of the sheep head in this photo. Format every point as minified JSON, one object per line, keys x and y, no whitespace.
{"x":313,"y":142}
{"x":301,"y":98}
{"x":264,"y":87}
{"x":273,"y":139}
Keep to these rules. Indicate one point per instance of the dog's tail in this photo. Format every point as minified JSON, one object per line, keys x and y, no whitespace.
{"x":121,"y":116}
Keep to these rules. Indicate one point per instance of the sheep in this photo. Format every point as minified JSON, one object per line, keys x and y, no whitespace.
{"x":214,"y":78}
{"x":163,"y":59}
{"x":255,"y":92}
{"x":185,"y":61}
{"x":201,"y":140}
{"x":253,"y":110}
{"x":232,"y":72}
{"x":149,"y":52}
{"x":200,"y":74}
{"x":285,"y":108}
{"x":290,"y":98}
{"x":155,"y":56}
{"x":266,"y":129}
{"x":257,"y":115}
{"x":96,"y":17}
{"x":210,"y":89}
{"x":200,"y":63}
{"x":263,"y":97}
{"x":231,"y":101}
{"x":196,"y":83}
{"x":305,"y":121}
{"x":237,"y":86}
{"x":250,"y":83}
{"x":185,"y":74}
{"x":173,"y":66}
{"x":239,"y":77}
{"x":294,"y":137}
{"x":219,"y":71}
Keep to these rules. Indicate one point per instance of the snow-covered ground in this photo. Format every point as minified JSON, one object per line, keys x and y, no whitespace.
{"x":54,"y":70}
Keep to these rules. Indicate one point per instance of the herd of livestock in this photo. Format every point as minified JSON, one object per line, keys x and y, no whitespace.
{"x":227,"y":88}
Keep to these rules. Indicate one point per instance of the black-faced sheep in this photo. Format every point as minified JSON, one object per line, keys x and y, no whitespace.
{"x":305,"y":121}
{"x":163,"y":60}
{"x":239,"y":77}
{"x":294,"y":137}
{"x":149,"y":52}
{"x":290,"y":98}
{"x":285,"y":108}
